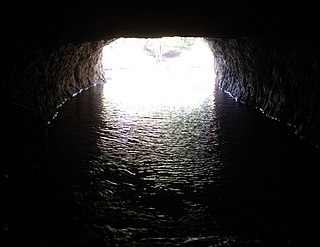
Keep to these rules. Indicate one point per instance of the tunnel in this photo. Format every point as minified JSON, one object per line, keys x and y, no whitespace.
{"x":267,"y":57}
{"x":270,"y":63}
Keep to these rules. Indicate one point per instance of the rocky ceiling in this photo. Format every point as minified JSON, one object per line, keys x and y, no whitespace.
{"x":268,"y":54}
{"x":86,"y":20}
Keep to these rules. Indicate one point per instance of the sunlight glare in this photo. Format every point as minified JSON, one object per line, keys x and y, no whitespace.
{"x":169,"y":71}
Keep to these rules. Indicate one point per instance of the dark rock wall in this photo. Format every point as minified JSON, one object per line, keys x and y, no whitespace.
{"x":280,"y":77}
{"x":35,"y":81}
{"x":52,"y":50}
{"x":41,"y":78}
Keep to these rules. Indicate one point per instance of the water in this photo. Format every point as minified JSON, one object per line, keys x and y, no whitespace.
{"x":213,"y":174}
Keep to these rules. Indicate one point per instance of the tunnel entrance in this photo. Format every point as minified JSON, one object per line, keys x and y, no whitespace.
{"x":171,"y":71}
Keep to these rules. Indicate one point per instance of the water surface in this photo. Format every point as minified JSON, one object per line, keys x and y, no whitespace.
{"x":210,"y":173}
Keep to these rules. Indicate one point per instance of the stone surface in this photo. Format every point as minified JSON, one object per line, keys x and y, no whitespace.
{"x":51,"y":51}
{"x":41,"y":78}
{"x":280,"y":77}
{"x":36,"y":81}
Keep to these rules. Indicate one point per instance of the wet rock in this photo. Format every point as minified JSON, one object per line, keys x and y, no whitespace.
{"x":279,"y":77}
{"x":44,"y":77}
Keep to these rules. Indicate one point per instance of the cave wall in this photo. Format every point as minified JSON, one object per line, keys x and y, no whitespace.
{"x":53,"y":50}
{"x":42,"y":77}
{"x":50,"y":51}
{"x":280,"y":77}
{"x":37,"y":78}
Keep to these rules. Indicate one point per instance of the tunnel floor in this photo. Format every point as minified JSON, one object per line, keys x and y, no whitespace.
{"x":215,"y":174}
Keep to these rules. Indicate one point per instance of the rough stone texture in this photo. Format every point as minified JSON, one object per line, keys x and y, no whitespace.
{"x":50,"y":51}
{"x":44,"y":77}
{"x":37,"y":79}
{"x":280,"y":77}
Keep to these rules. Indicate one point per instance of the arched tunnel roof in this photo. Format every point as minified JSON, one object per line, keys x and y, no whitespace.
{"x":36,"y":36}
{"x":87,"y":20}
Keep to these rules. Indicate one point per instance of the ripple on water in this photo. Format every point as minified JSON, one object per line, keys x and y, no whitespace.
{"x":178,"y":176}
{"x":150,"y":171}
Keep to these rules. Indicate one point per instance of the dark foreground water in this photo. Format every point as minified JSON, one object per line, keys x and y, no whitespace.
{"x":217,"y":174}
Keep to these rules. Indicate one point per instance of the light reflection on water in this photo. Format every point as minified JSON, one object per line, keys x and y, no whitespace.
{"x":167,"y":145}
{"x":155,"y":163}
{"x":161,"y":116}
{"x":177,"y":163}
{"x":163,"y":86}
{"x":213,"y":174}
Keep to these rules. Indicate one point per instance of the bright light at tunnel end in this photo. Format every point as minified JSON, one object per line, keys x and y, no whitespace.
{"x":168,"y":71}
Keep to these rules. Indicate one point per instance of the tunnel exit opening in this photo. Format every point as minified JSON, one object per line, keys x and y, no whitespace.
{"x":159,"y":71}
